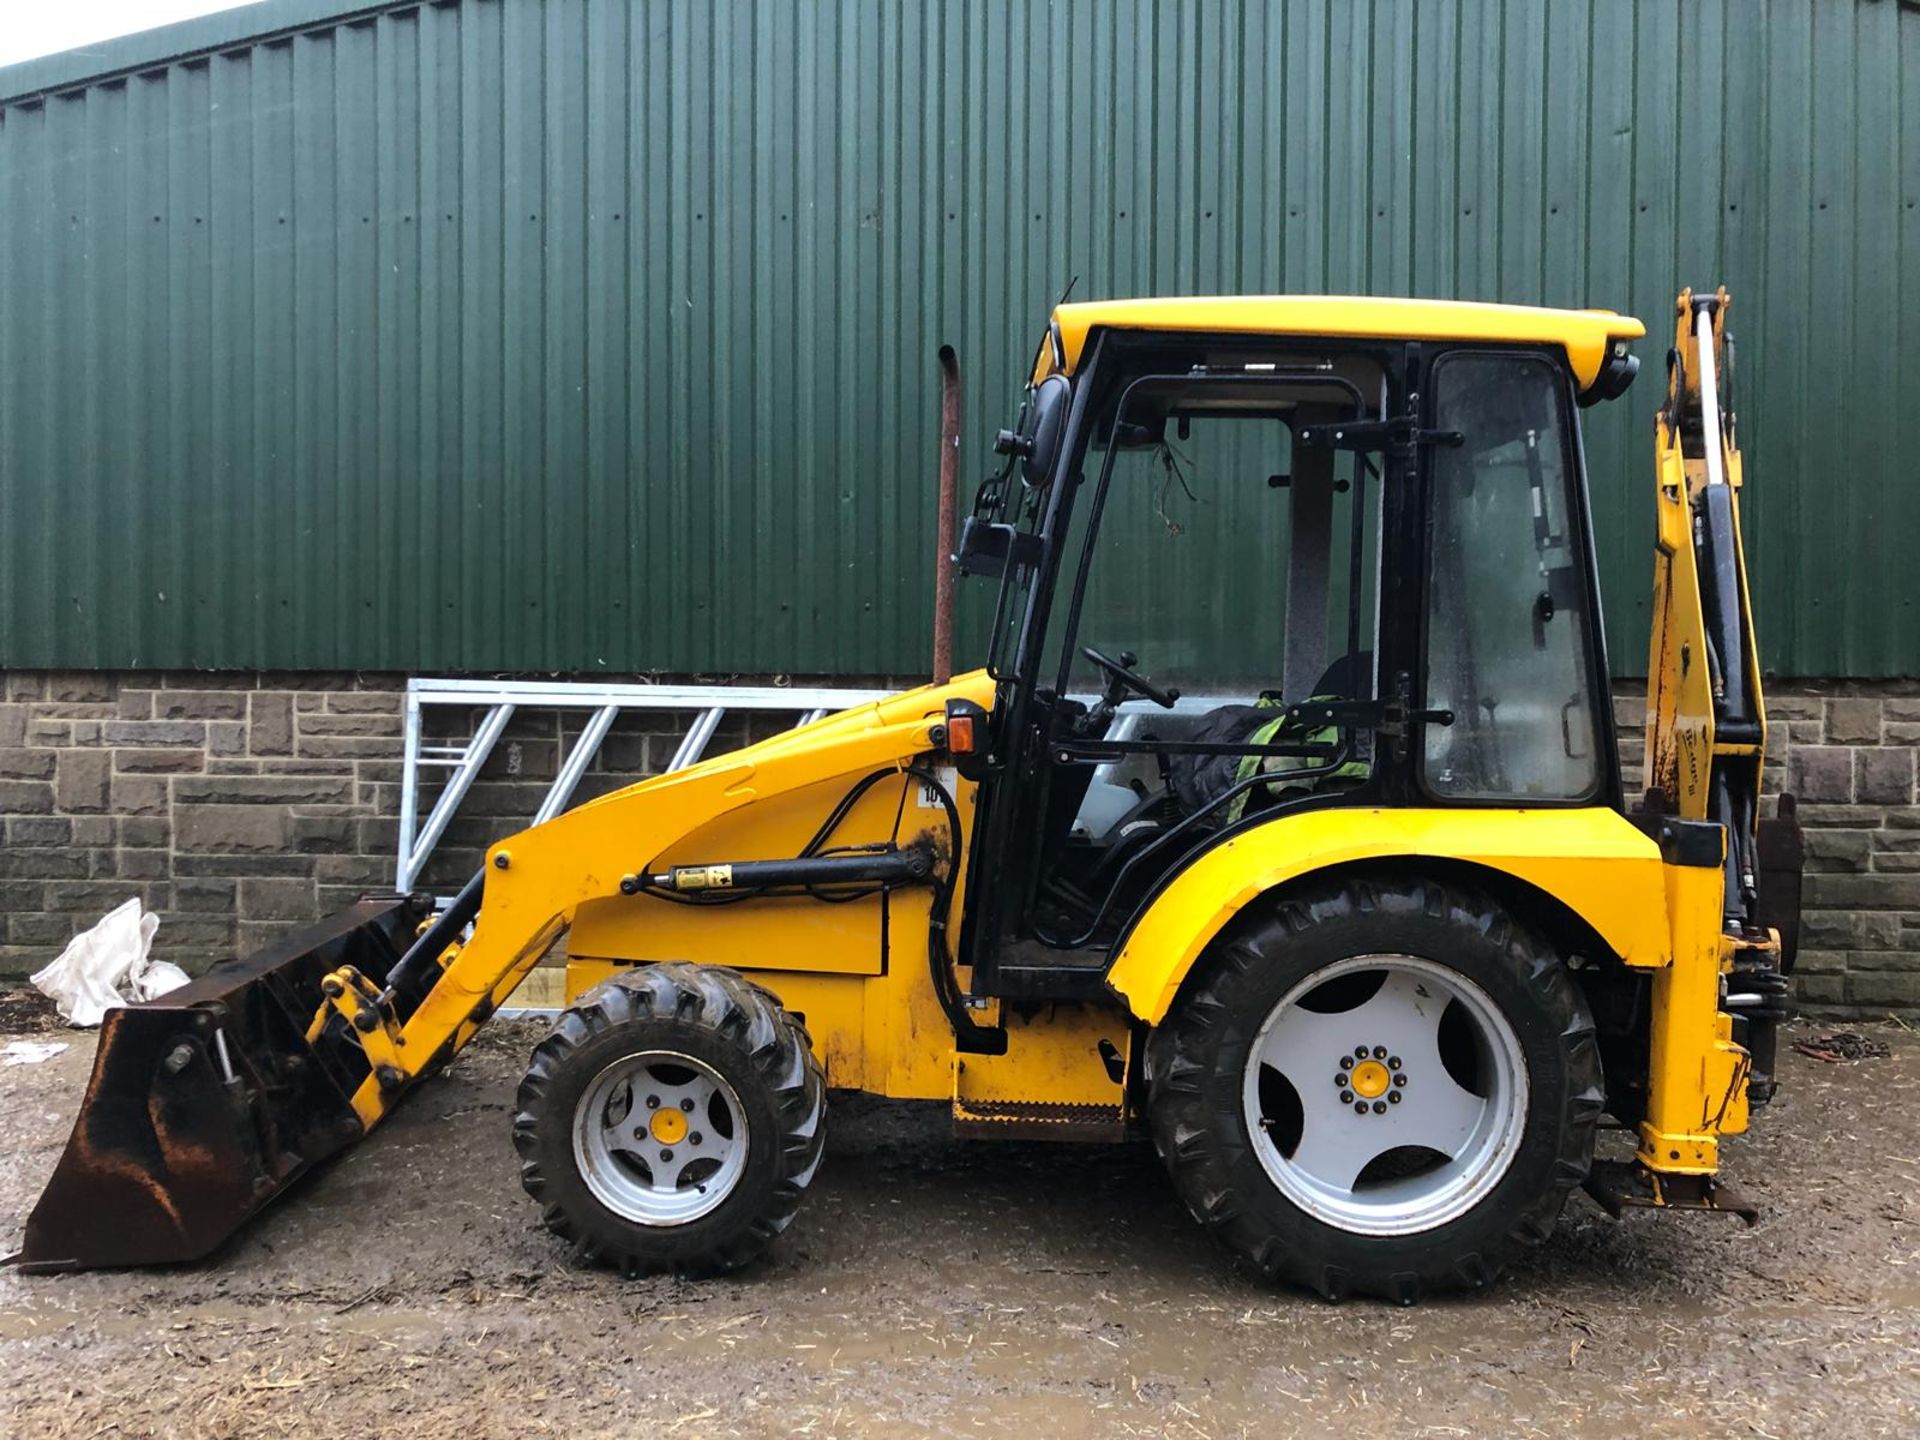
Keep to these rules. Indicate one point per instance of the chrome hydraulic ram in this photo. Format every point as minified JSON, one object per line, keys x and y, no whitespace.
{"x":913,"y":865}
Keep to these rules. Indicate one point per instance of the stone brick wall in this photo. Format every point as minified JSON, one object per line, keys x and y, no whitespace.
{"x":1851,"y":759}
{"x":1848,"y":752}
{"x":237,"y":805}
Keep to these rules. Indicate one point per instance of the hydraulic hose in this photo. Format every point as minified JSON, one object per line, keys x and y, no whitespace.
{"x":413,"y":973}
{"x":969,"y":1035}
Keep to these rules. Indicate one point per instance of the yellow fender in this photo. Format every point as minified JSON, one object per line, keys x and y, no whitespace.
{"x":1590,"y":860}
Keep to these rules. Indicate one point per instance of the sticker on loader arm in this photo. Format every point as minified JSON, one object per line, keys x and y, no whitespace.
{"x":928,"y":798}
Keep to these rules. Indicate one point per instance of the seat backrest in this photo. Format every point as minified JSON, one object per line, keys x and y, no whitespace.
{"x":1350,"y":677}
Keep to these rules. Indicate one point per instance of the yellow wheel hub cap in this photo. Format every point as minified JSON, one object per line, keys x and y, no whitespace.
{"x":669,"y":1126}
{"x":1370,"y":1078}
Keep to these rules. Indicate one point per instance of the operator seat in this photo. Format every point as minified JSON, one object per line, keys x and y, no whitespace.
{"x":1198,"y":779}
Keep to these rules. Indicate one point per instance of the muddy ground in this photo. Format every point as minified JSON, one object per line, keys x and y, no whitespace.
{"x":935,"y":1287}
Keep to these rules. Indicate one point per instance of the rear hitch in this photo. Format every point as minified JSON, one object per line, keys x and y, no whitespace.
{"x":1617,"y":1185}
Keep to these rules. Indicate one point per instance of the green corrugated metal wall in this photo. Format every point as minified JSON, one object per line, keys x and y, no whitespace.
{"x":596,"y":335}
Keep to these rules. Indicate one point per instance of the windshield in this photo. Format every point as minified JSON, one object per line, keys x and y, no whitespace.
{"x":1232,"y":559}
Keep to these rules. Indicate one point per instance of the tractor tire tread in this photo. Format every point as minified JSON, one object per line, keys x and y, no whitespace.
{"x":1184,"y":1133}
{"x":726,"y":1005}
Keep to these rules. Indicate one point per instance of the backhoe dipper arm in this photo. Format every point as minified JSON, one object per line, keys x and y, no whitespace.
{"x":1706,"y":718}
{"x":1717,"y":1004}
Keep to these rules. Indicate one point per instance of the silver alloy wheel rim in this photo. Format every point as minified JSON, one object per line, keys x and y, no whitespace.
{"x":618,"y":1144}
{"x":1478,"y":1134}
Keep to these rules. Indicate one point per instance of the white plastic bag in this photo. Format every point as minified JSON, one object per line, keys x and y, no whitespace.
{"x":108,"y":966}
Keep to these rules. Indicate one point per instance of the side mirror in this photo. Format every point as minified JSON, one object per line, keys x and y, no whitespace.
{"x":990,"y":548}
{"x":1037,"y":442}
{"x":1049,"y":424}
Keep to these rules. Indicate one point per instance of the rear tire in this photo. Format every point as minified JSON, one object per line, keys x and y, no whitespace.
{"x":1305,"y":1022}
{"x":672,"y":1120}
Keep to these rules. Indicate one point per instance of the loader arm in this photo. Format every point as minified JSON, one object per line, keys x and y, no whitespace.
{"x":533,"y":882}
{"x":207,"y":1103}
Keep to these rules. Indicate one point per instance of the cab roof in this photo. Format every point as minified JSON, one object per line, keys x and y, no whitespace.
{"x":1584,"y":335}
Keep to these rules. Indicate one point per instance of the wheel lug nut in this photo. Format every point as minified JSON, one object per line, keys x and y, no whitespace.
{"x":666,"y":1155}
{"x":1393,"y":1062}
{"x":1379,"y":1052}
{"x":1379,"y":1107}
{"x":1340,"y":1080}
{"x":1394,"y":1096}
{"x":687,"y":1104}
{"x":653,"y":1102}
{"x":1359,"y":1052}
{"x":1399,"y":1080}
{"x":1346,"y":1062}
{"x":695,"y":1138}
{"x":1360,"y":1106}
{"x":1346,"y":1097}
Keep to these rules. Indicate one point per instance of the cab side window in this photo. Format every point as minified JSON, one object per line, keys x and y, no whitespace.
{"x":1508,"y":647}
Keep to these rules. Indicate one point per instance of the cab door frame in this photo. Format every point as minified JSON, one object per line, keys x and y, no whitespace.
{"x":1004,"y":858}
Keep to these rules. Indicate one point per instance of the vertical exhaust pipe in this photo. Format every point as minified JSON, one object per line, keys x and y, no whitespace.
{"x":943,"y":528}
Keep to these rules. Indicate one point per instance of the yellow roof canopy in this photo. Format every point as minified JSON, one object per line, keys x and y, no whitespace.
{"x":1585,"y":335}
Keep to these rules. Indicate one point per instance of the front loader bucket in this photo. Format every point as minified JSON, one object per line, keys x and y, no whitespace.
{"x":208,"y":1102}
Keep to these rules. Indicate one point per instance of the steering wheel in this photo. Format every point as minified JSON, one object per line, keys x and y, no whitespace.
{"x":1122,"y":678}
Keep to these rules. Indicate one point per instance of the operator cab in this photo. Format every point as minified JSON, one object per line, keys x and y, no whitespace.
{"x":1246,"y":576}
{"x":1238,"y":559}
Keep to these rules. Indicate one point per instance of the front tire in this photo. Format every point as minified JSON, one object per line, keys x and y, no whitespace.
{"x":1378,"y":1087}
{"x":672,"y":1120}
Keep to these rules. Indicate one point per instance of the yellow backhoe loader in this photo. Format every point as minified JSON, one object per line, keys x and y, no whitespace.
{"x":1344,"y":906}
